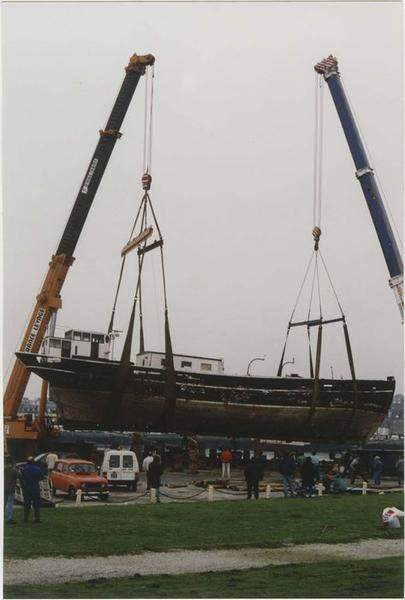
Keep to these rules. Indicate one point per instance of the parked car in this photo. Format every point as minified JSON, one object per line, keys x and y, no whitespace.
{"x":72,"y":474}
{"x":120,"y":467}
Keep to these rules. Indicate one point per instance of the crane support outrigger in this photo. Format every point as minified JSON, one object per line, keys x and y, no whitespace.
{"x":49,"y":300}
{"x":365,"y":174}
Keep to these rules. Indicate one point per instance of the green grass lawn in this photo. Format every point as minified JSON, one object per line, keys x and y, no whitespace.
{"x":105,"y":530}
{"x":355,"y":579}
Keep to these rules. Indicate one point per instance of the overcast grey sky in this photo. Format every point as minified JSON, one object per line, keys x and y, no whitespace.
{"x":232,"y":171}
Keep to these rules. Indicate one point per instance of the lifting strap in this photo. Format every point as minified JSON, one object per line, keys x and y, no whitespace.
{"x":316,"y":388}
{"x":169,"y":410}
{"x":141,"y":334}
{"x":280,"y":366}
{"x":113,"y":407}
{"x":354,"y":380}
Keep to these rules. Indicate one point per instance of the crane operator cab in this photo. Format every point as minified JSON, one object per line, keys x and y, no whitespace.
{"x":78,"y":344}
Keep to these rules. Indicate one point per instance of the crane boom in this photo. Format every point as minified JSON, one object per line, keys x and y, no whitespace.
{"x":49,"y":299}
{"x":365,"y":174}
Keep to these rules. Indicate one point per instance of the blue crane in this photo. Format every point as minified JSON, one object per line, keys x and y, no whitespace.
{"x":365,"y":174}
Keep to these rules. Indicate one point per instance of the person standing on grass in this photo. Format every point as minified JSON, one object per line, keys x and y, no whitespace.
{"x":377,"y":469}
{"x":252,"y":475}
{"x":11,"y":475}
{"x":354,"y":469}
{"x":145,"y":466}
{"x":51,"y":460}
{"x":315,"y":461}
{"x":287,"y":468}
{"x":226,"y":459}
{"x":308,"y":473}
{"x":31,"y":475}
{"x":155,"y":471}
{"x":262,"y":462}
{"x":399,"y":465}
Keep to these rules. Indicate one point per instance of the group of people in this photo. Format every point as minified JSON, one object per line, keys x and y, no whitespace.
{"x":334,"y":477}
{"x":308,"y":469}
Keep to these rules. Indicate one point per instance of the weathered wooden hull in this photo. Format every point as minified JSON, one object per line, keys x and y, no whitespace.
{"x":282,"y":408}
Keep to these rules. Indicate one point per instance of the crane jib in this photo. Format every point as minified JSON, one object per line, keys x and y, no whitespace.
{"x":98,"y":163}
{"x":365,"y":175}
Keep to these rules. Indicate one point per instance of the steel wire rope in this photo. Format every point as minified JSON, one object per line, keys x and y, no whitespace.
{"x":331,"y":284}
{"x":145,"y":125}
{"x":302,"y":285}
{"x":147,"y":149}
{"x":392,"y":220}
{"x":316,"y":121}
{"x":145,"y":198}
{"x":320,"y":179}
{"x":152,"y":77}
{"x":318,"y":151}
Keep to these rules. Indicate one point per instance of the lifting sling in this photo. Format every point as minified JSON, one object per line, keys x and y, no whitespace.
{"x":143,"y":247}
{"x":320,"y":322}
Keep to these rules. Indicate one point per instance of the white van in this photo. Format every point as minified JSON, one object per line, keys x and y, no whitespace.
{"x":120,"y":467}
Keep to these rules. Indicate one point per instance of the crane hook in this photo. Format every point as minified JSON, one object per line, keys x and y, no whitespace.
{"x":316,"y":233}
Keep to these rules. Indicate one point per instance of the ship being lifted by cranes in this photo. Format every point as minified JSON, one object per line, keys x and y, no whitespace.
{"x":180,"y":393}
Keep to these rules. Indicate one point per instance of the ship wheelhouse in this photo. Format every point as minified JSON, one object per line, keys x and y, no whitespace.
{"x":78,"y":344}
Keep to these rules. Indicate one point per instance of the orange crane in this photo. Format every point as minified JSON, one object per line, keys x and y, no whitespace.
{"x":48,"y":301}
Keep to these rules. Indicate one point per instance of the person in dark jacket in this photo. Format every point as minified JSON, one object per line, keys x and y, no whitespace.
{"x":11,"y":475}
{"x":252,"y":476}
{"x":262,"y":461}
{"x":155,"y":471}
{"x":308,"y":473}
{"x":376,"y":470}
{"x":30,"y":477}
{"x":287,"y":468}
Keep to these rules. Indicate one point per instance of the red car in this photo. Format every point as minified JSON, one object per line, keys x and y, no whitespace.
{"x":73,"y":474}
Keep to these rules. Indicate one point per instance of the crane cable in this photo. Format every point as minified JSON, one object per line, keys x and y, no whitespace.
{"x":147,"y":160}
{"x":315,"y":289}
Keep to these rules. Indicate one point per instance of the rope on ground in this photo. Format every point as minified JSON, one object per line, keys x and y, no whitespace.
{"x":183,"y":497}
{"x":131,"y":499}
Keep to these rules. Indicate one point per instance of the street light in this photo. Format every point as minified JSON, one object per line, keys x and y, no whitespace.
{"x":253,"y":359}
{"x":287,"y":362}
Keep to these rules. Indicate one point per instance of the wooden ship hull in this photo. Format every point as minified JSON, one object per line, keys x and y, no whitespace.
{"x":279,"y":408}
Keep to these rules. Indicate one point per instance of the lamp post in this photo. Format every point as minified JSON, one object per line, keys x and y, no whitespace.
{"x":253,"y":359}
{"x":287,"y":362}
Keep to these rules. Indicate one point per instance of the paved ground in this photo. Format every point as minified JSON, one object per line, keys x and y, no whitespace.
{"x":58,"y":570}
{"x":184,"y":487}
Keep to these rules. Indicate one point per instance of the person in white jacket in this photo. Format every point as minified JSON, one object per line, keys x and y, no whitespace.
{"x":145,"y":466}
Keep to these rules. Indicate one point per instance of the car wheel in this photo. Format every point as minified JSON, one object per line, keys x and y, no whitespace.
{"x":104,"y":497}
{"x":72,"y":493}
